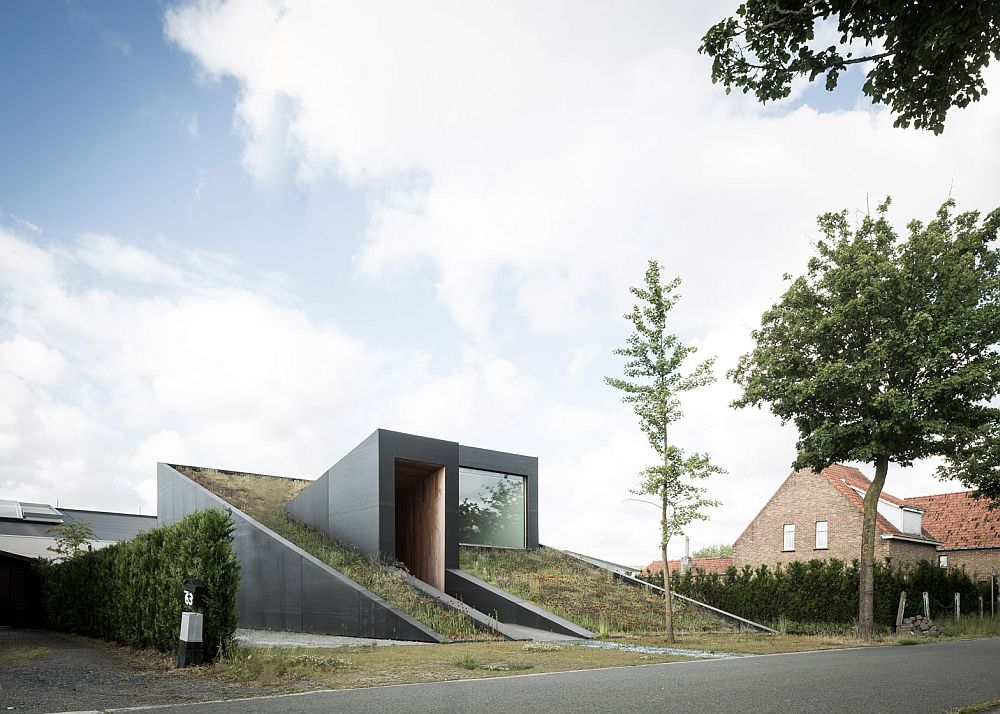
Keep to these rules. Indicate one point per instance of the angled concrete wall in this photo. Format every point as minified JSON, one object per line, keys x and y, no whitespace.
{"x":507,"y":607}
{"x":281,"y":586}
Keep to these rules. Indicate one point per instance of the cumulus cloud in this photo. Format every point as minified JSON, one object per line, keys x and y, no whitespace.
{"x":534,"y":157}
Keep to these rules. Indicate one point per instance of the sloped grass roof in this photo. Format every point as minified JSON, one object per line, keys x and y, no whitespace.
{"x":579,"y":592}
{"x":263,"y":498}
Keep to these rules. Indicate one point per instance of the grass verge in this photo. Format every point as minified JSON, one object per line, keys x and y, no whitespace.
{"x":13,"y":654}
{"x":369,"y":666}
{"x":581,"y":593}
{"x":264,"y":497}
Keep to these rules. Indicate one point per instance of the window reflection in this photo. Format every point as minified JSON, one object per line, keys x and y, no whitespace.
{"x":491,"y":508}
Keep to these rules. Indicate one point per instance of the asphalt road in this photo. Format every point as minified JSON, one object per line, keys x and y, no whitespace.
{"x":923,"y":678}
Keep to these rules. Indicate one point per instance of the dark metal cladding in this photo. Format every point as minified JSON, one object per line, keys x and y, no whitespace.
{"x":281,"y":586}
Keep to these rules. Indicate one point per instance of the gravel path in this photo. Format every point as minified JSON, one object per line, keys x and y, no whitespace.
{"x":269,"y":638}
{"x":42,"y":671}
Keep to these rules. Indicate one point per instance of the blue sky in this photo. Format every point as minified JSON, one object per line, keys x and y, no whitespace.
{"x":243,"y":237}
{"x":127,"y":139}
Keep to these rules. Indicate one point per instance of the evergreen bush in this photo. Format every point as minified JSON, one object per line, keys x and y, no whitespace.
{"x":132,"y":592}
{"x":823,"y":591}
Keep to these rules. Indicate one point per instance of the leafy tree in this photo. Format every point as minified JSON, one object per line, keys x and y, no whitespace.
{"x":885,"y":350}
{"x":932,"y":55}
{"x":652,"y":385}
{"x":721,"y":550}
{"x":71,"y":536}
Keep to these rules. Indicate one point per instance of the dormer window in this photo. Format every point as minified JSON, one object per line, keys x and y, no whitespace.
{"x":905,"y":518}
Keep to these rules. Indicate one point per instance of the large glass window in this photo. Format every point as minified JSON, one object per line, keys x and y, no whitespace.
{"x":491,"y":508}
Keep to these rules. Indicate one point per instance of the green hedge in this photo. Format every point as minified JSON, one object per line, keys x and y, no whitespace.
{"x":825,"y":591}
{"x":132,"y":592}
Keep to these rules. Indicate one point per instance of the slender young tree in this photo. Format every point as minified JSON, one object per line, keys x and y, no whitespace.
{"x":71,"y":537}
{"x":653,"y":380}
{"x":886,"y":351}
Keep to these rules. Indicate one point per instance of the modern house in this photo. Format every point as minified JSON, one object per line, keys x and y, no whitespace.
{"x":396,"y":497}
{"x":26,"y":535}
{"x":819,"y":515}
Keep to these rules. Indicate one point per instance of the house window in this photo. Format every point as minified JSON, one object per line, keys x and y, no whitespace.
{"x":789,"y":537}
{"x":491,"y":508}
{"x":821,"y":529}
{"x":943,"y":561}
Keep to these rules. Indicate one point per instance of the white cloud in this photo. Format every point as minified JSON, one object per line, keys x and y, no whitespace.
{"x":534,"y":157}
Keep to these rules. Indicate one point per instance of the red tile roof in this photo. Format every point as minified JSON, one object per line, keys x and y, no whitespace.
{"x":709,"y":565}
{"x":846,"y":479}
{"x":960,"y":521}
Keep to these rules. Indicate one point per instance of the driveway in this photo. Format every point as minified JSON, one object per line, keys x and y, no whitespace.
{"x":46,"y":672}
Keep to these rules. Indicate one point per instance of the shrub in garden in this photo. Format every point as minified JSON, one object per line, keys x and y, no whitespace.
{"x":824,"y":591}
{"x":132,"y":592}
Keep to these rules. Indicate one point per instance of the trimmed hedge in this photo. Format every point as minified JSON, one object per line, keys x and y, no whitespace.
{"x":132,"y":592}
{"x":824,"y":591}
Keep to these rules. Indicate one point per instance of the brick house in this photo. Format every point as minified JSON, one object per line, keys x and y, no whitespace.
{"x":819,"y":515}
{"x":969,"y":531}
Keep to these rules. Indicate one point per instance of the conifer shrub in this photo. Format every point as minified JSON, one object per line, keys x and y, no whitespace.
{"x":132,"y":592}
{"x":824,"y":592}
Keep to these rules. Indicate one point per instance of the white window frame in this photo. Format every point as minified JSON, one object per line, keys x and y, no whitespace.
{"x":824,"y":543}
{"x":788,"y":534}
{"x":943,"y":561}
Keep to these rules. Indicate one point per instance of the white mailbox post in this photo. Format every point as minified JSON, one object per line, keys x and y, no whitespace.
{"x":191,"y":648}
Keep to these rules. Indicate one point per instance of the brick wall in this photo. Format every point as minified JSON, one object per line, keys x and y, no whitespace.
{"x":901,"y":551}
{"x":803,"y":499}
{"x":976,"y":561}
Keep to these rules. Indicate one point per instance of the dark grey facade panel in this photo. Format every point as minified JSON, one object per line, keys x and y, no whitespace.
{"x":397,"y":445}
{"x":281,"y":586}
{"x":506,"y":606}
{"x":312,"y":505}
{"x":353,"y":498}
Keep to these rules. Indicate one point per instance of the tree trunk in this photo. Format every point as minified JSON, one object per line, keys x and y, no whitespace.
{"x":669,"y":611}
{"x":866,"y":576}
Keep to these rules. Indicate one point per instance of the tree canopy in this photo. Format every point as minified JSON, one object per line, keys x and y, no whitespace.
{"x":925,"y":58}
{"x":886,"y":350}
{"x":887,"y":346}
{"x":71,"y":536}
{"x":719,"y":550}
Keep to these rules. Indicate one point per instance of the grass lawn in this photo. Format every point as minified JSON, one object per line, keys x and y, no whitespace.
{"x":581,"y":593}
{"x":370,"y":666}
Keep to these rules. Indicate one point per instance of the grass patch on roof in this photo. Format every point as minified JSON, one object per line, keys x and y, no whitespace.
{"x":589,"y":596}
{"x":263,"y":498}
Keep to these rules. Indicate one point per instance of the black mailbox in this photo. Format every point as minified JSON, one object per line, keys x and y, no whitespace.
{"x":194,"y":594}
